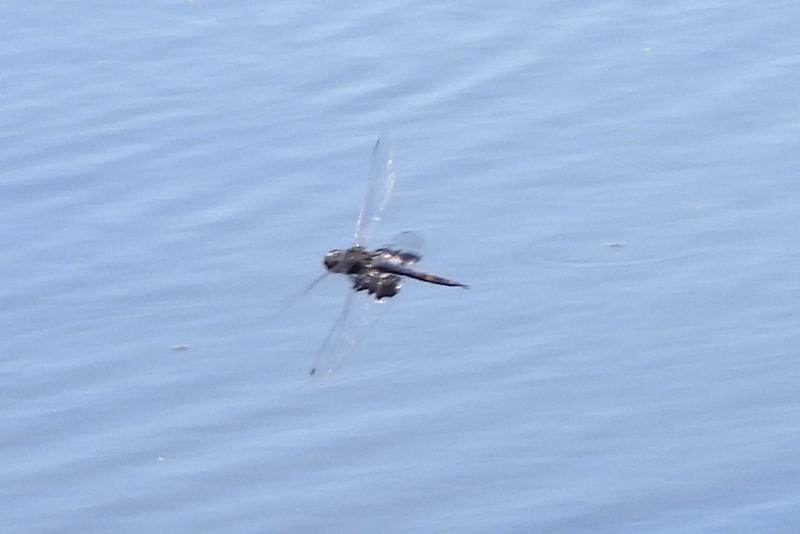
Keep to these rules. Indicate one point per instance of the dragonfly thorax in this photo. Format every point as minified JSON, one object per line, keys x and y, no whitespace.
{"x":354,"y":260}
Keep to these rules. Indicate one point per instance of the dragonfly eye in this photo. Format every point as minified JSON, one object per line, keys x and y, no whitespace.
{"x":332,"y":259}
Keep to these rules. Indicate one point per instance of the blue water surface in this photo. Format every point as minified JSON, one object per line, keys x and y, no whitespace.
{"x":617,"y":181}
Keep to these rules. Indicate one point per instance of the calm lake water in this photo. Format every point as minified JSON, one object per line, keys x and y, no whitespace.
{"x":617,"y":181}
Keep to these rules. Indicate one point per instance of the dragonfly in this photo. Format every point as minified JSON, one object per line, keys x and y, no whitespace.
{"x":375,"y":275}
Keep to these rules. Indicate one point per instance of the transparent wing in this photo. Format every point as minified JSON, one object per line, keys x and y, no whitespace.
{"x":405,"y":248}
{"x":359,"y":314}
{"x":292,"y":299}
{"x":380,"y":184}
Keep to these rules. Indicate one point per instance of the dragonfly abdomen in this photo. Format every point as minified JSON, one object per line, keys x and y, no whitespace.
{"x":388,"y":267}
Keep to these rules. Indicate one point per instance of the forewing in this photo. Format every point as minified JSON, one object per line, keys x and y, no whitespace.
{"x":359,"y":314}
{"x":405,"y":248}
{"x":380,"y":184}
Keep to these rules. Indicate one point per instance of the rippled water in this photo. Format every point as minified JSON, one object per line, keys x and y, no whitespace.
{"x":617,"y":181}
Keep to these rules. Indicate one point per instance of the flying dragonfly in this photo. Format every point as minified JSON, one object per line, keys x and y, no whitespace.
{"x":377,"y":274}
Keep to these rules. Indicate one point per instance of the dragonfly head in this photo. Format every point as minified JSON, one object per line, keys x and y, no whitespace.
{"x":333,"y":259}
